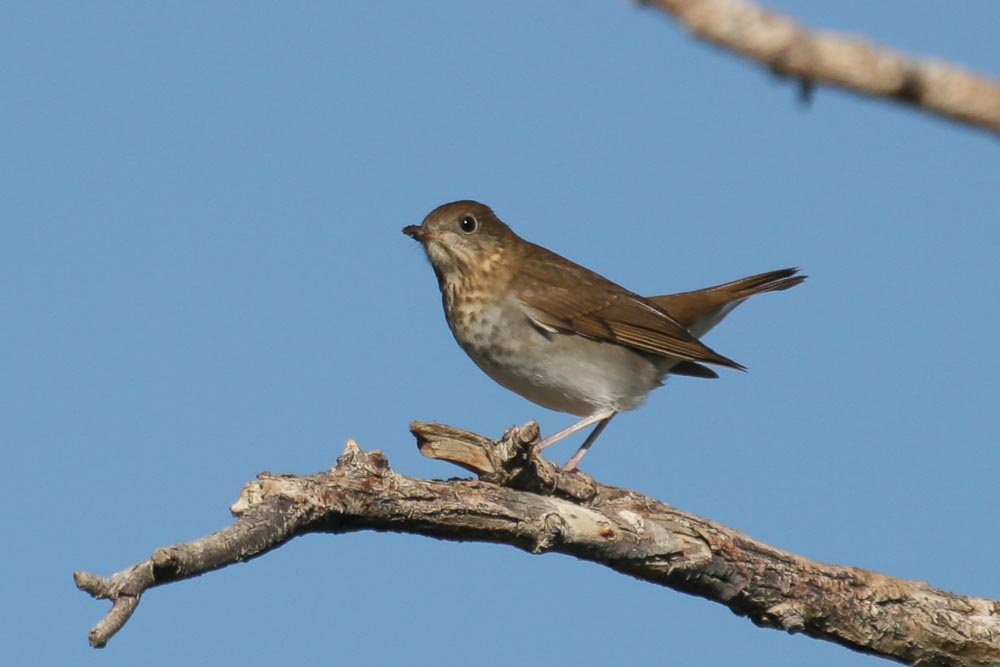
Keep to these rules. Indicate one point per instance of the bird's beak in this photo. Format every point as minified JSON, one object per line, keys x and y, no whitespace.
{"x":415,"y":232}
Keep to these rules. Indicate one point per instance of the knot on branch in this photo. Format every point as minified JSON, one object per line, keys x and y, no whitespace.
{"x":268,"y":485}
{"x":512,"y":461}
{"x":354,"y":463}
{"x":787,"y":616}
{"x":166,"y":562}
{"x":358,"y":461}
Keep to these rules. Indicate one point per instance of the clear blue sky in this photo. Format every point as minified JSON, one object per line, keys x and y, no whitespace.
{"x":202,"y":277}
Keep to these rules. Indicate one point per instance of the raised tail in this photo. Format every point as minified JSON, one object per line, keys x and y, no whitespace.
{"x":700,"y":310}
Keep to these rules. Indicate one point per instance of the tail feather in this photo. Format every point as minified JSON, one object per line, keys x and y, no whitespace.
{"x":700,"y":310}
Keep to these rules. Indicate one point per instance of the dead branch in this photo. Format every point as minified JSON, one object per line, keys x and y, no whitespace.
{"x":851,"y":63}
{"x":524,"y":501}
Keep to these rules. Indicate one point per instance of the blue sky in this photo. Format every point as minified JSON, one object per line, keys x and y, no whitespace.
{"x":202,"y":277}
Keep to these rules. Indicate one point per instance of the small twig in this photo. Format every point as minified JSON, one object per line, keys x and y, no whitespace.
{"x":256,"y":531}
{"x":124,"y":590}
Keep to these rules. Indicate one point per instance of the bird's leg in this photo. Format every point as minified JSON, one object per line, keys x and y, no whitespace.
{"x":575,"y":460}
{"x":600,"y":415}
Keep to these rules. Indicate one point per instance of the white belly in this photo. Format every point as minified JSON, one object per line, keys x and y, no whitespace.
{"x":560,"y":371}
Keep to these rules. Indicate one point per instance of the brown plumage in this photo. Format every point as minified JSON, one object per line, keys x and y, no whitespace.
{"x":558,"y":333}
{"x":571,"y":298}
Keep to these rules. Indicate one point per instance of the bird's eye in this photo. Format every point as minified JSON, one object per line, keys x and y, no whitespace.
{"x":468,"y":224}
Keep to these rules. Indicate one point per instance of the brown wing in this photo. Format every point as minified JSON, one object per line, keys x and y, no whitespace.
{"x":568,"y":297}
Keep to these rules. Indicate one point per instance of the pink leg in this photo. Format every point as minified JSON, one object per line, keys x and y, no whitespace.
{"x":573,"y":462}
{"x":600,"y":415}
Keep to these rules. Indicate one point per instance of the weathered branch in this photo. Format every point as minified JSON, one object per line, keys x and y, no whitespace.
{"x":789,"y":49}
{"x":524,"y":501}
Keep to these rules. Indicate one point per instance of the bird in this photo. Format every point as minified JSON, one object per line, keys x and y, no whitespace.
{"x":561,"y":335}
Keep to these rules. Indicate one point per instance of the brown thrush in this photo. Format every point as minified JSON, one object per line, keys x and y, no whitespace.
{"x":559,"y":334}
